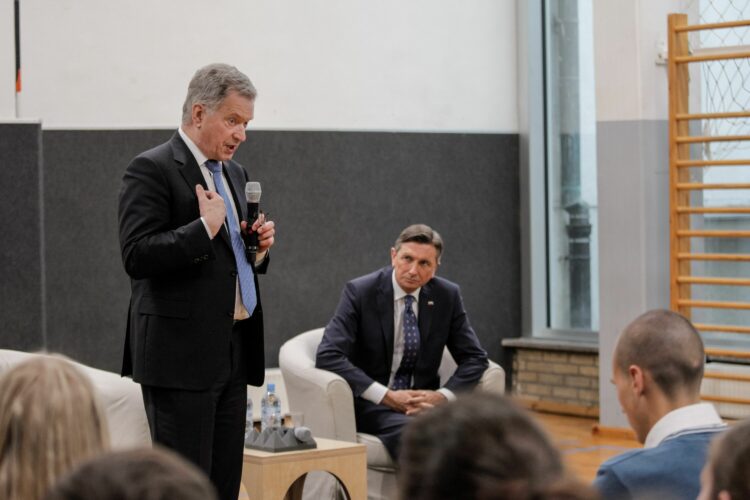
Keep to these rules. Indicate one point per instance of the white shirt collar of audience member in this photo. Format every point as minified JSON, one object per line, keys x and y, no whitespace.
{"x":692,"y":418}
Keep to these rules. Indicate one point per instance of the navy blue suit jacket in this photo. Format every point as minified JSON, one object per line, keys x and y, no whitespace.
{"x":358,"y":341}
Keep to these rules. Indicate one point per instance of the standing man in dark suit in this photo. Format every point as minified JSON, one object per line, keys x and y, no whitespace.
{"x":195,"y":324}
{"x":388,"y":334}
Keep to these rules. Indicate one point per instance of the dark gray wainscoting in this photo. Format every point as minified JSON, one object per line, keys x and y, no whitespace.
{"x":21,"y":265}
{"x":339,"y":200}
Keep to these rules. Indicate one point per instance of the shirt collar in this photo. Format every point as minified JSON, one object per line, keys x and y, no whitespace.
{"x":200,"y":158}
{"x":692,"y":417}
{"x":399,"y":293}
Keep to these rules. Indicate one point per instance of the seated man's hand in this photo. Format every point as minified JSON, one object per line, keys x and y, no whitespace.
{"x":399,"y":400}
{"x":424,"y":400}
{"x":412,"y":402}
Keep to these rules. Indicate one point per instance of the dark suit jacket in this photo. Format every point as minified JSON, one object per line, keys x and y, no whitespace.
{"x":183,"y":283}
{"x":358,"y":341}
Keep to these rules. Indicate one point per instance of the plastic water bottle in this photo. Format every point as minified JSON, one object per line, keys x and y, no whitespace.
{"x":249,"y":418}
{"x":270,"y":409}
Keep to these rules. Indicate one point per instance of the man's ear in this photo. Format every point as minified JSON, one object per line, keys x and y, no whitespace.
{"x":198,"y":113}
{"x":637,"y":379}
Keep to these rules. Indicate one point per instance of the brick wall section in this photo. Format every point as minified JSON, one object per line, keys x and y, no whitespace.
{"x":569,"y":378}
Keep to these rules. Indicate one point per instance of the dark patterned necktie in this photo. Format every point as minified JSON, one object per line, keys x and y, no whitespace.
{"x":402,"y":380}
{"x":245,"y":272}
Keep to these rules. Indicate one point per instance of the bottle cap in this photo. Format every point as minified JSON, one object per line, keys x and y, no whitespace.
{"x":271,"y":387}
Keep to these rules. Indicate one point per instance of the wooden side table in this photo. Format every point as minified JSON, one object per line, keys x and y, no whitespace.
{"x":279,"y":476}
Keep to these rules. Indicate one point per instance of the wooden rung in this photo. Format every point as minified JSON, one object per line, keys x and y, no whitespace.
{"x":727,"y":353}
{"x":712,"y":163}
{"x":721,"y":328}
{"x":713,"y":210}
{"x":699,"y":185}
{"x":705,"y":280}
{"x":694,"y":233}
{"x":725,"y":399}
{"x":690,"y":139}
{"x":713,"y":304}
{"x":739,"y":377}
{"x":717,"y":56}
{"x":712,"y":116}
{"x":712,"y":26}
{"x":740,"y":257}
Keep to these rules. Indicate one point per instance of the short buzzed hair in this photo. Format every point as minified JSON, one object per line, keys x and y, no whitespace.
{"x":211,"y":84}
{"x":420,"y":233}
{"x":667,"y":346}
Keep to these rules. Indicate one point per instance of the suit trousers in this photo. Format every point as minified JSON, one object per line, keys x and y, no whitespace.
{"x":381,"y":421}
{"x":206,"y":427}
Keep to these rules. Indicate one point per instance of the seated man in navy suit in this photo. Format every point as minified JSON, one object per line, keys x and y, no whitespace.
{"x":658,"y":369}
{"x":387,"y":337}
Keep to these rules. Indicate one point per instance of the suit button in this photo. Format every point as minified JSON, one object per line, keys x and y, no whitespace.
{"x":233,"y":274}
{"x":230,"y":314}
{"x":196,"y":260}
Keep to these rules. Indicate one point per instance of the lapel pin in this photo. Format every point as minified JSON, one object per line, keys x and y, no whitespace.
{"x":430,"y":303}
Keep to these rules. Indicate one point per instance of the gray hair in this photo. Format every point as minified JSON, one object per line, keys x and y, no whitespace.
{"x":211,"y":84}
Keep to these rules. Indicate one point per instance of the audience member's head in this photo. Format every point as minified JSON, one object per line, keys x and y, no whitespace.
{"x":657,"y":367}
{"x":482,"y":446}
{"x":140,"y":474}
{"x":49,"y":421}
{"x":726,"y":475}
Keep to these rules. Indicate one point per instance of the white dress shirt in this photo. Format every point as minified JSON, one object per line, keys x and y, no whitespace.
{"x":240,"y":312}
{"x":699,"y":417}
{"x":376,"y":392}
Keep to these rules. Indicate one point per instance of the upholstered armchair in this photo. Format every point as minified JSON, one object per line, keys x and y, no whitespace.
{"x":119,"y":397}
{"x":327,"y":404}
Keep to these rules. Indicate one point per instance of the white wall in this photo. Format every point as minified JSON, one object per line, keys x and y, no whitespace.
{"x":632,"y":145}
{"x":318,"y":64}
{"x":628,"y":37}
{"x":7,"y":61}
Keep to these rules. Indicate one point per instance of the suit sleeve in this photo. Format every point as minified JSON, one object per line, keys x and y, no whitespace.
{"x":463,"y":345}
{"x":149,"y":243}
{"x":337,"y":348}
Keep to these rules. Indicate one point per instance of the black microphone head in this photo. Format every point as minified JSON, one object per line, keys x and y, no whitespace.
{"x":252,"y":192}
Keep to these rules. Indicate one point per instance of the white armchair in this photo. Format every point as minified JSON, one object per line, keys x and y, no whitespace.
{"x":327,"y":403}
{"x":120,"y":398}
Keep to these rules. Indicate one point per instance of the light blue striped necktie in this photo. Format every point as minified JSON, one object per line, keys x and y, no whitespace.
{"x":244,"y":270}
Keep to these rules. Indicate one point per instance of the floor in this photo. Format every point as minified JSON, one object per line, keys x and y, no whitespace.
{"x":582,"y":450}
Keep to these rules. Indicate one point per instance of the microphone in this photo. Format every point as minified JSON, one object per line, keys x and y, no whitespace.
{"x":252,"y":194}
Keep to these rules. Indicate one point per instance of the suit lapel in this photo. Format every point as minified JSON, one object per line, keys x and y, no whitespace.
{"x":426,"y":308}
{"x":192,"y":174}
{"x":385,"y":313}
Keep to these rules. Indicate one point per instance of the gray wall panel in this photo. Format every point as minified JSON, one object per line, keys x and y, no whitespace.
{"x":633,"y":185}
{"x":87,"y":288}
{"x":339,"y":200}
{"x":20,"y":246}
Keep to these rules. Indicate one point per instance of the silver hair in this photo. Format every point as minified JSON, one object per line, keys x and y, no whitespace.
{"x":211,"y":84}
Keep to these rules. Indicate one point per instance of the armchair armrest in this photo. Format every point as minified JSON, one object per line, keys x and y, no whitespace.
{"x":324,"y":398}
{"x":493,"y":379}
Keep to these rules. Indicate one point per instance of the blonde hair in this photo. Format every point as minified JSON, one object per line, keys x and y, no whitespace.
{"x":50,"y":421}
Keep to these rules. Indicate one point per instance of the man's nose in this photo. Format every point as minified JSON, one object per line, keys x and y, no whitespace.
{"x":240,"y":133}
